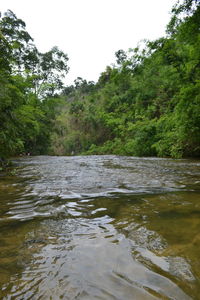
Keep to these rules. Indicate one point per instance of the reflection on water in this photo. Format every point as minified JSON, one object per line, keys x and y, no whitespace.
{"x":100,"y":227}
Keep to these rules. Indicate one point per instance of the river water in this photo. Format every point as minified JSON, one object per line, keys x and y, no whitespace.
{"x":100,"y":227}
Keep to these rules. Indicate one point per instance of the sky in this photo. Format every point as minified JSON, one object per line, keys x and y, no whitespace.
{"x":91,"y":31}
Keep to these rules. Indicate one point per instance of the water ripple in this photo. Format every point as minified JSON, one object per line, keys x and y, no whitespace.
{"x":104,"y":227}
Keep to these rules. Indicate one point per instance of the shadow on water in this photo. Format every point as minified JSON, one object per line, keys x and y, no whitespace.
{"x":78,"y":228}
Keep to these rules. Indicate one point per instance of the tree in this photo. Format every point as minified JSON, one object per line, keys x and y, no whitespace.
{"x":44,"y":70}
{"x":49,"y":72}
{"x":26,"y":77}
{"x":23,"y":53}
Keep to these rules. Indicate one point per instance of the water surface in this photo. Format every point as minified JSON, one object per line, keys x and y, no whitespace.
{"x":100,"y":227}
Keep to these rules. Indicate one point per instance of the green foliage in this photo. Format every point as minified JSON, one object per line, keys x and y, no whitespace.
{"x":27,"y":77}
{"x":141,"y":137}
{"x":147,"y":104}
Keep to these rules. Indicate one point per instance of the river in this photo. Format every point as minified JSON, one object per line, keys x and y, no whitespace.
{"x":100,"y":227}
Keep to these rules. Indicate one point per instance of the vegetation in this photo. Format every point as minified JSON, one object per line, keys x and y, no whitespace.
{"x":147,"y":104}
{"x":27,"y":77}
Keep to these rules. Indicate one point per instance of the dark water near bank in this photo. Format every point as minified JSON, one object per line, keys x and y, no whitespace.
{"x":100,"y":227}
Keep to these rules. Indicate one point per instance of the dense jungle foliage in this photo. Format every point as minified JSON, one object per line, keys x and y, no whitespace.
{"x":146,"y":104}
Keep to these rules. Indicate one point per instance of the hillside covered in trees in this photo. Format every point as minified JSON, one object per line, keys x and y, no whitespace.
{"x":146,"y":104}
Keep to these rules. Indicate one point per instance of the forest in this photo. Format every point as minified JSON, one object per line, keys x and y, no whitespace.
{"x":146,"y":104}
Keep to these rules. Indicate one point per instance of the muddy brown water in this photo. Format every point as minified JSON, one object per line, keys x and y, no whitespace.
{"x":100,"y":227}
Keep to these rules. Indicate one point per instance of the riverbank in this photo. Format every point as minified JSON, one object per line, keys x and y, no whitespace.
{"x":5,"y":164}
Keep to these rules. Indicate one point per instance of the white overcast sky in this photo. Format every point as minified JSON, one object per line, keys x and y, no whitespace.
{"x":91,"y":31}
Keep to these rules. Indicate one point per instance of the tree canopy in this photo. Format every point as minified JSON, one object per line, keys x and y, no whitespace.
{"x":146,"y":104}
{"x":27,"y":77}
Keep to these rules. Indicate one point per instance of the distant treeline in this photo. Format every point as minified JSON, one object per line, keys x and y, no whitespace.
{"x":147,"y":104}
